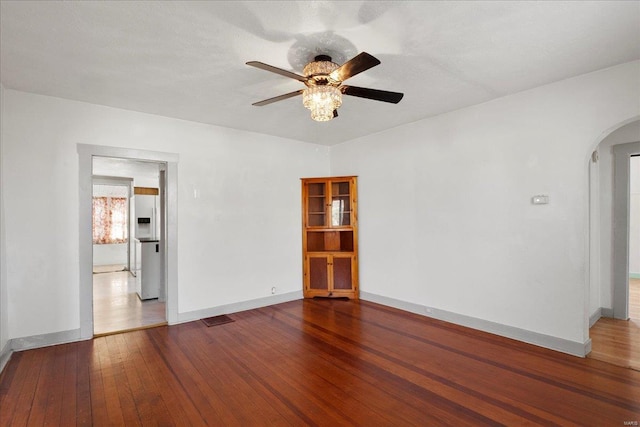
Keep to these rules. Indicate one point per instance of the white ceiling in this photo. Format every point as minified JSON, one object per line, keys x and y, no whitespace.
{"x":114,"y":167}
{"x":187,"y":59}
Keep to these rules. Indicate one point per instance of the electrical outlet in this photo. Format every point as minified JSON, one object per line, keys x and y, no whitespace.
{"x":273,"y":290}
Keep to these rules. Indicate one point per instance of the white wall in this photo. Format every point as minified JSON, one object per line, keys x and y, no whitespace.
{"x":113,"y":254}
{"x":4,"y":308}
{"x":445,"y":212}
{"x":634,"y":216}
{"x":602,"y":292}
{"x":239,"y":238}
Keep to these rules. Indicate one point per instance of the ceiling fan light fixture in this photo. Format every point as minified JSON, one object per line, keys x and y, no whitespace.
{"x":322,"y":101}
{"x":323,"y":79}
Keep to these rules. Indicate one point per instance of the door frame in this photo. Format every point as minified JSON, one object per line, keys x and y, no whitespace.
{"x":86,"y":153}
{"x":622,"y":154}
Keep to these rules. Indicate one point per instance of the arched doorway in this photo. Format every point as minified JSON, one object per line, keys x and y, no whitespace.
{"x":611,"y":200}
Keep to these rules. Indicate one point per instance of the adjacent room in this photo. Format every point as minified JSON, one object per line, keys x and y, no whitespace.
{"x":128,"y":286}
{"x":319,"y":213}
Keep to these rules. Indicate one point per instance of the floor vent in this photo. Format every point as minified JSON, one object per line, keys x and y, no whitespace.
{"x":217,"y":320}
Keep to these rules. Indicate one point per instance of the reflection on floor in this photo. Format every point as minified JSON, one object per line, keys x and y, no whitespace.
{"x":618,"y":341}
{"x":116,"y":306}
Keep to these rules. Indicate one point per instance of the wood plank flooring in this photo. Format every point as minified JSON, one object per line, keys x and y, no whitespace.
{"x":618,"y":341}
{"x":314,"y":362}
{"x":116,"y":306}
{"x":634,"y":299}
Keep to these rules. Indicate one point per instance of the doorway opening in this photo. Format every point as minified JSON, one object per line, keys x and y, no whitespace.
{"x":626,"y":225}
{"x":615,"y":249}
{"x":166,"y":165}
{"x":633,"y":289}
{"x":128,"y":287}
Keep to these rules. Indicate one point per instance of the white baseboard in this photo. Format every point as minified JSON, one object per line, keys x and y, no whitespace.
{"x":554,"y":343}
{"x":595,"y":316}
{"x":587,"y":347}
{"x":5,"y":355}
{"x":542,"y":340}
{"x":45,"y":340}
{"x":600,"y":312}
{"x":606,"y":312}
{"x":36,"y":341}
{"x":238,"y":306}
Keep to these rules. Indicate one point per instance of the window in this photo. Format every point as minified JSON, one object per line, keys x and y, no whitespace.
{"x":110,"y":220}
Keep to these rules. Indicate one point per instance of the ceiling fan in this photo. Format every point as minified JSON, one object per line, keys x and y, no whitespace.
{"x":324,"y":89}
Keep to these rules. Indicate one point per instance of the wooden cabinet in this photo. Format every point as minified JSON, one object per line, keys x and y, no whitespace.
{"x":330,"y":237}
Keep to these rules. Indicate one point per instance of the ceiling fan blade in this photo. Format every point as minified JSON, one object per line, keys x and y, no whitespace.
{"x":375,"y":94}
{"x":355,"y":65}
{"x":277,"y":98}
{"x":277,"y":70}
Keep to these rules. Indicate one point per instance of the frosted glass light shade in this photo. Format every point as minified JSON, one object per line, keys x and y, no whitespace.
{"x":322,"y":100}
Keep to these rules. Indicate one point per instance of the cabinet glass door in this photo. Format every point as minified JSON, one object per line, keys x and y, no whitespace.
{"x":317,"y":202}
{"x":340,"y":204}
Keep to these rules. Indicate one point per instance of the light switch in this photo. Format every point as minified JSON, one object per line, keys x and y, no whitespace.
{"x":541,"y":199}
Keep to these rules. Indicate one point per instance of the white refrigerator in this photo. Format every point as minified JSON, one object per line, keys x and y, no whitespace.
{"x":146,"y":212}
{"x":148,"y":268}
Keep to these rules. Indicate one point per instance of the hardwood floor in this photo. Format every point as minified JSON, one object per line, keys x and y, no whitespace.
{"x":314,"y":362}
{"x":634,"y":299}
{"x":618,"y":341}
{"x":116,"y":306}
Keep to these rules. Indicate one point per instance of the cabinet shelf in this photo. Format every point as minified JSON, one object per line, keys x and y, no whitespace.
{"x":329,"y":241}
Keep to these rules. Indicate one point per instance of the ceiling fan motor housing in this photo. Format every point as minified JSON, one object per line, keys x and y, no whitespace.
{"x":317,"y":71}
